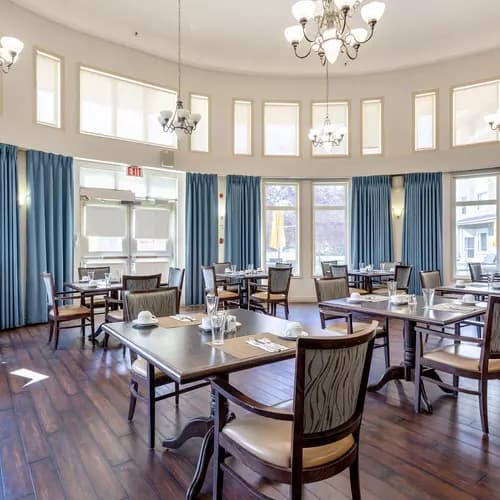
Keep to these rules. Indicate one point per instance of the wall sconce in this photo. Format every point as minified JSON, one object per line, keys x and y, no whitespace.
{"x":397,"y":211}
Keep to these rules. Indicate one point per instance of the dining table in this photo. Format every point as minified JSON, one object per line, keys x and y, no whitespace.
{"x":444,"y":312}
{"x":368,"y":278}
{"x":186,"y":354}
{"x":478,"y":289}
{"x":85,"y":289}
{"x":246,"y":278}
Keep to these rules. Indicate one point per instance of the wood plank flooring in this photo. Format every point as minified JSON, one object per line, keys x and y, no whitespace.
{"x":68,"y":436}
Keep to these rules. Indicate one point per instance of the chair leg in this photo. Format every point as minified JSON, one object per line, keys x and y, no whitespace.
{"x":387,"y":352}
{"x":354,"y":475}
{"x":483,"y":404}
{"x":105,"y":341}
{"x":417,"y":380}
{"x":92,"y":329}
{"x":83,"y":331}
{"x":133,"y":400}
{"x":287,"y":311}
{"x":176,"y":387}
{"x":56,"y":343}
{"x":296,"y":487}
{"x":218,"y":477}
{"x":456,"y":380}
{"x":51,"y":331}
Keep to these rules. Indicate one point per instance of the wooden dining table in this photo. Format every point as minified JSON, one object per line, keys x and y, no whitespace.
{"x":186,"y":355}
{"x":478,"y":289}
{"x":245,"y":278}
{"x":444,"y":312}
{"x":367,"y":278}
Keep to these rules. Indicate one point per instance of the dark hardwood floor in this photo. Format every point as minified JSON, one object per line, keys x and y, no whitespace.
{"x":68,"y":436}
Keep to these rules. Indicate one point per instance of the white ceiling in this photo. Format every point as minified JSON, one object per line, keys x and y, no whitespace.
{"x":247,"y":36}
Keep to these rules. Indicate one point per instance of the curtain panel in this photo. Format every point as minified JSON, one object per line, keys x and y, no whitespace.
{"x":201,"y":231}
{"x":11,"y":305}
{"x":423,"y":225}
{"x":371,"y":220}
{"x":49,"y":227}
{"x":243,"y":221}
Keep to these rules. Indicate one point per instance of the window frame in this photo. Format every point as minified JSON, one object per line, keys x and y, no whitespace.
{"x":128,"y":79}
{"x":349,"y":121}
{"x":382,"y":127}
{"x":252,"y":120}
{"x":423,"y":93}
{"x":299,"y":130}
{"x":60,"y":59}
{"x":347,"y":209}
{"x":209,"y":138}
{"x":264,"y":207}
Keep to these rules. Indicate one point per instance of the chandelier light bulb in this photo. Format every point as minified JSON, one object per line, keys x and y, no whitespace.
{"x":329,"y":34}
{"x":372,"y":12}
{"x":358,"y":35}
{"x":332,"y":49}
{"x":303,"y":10}
{"x":318,"y":9}
{"x":294,"y":34}
{"x":11,"y":44}
{"x":196,"y":117}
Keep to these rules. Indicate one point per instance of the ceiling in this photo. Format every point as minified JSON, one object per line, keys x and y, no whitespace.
{"x":247,"y":36}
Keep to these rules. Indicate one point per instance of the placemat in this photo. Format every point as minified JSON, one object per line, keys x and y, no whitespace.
{"x":239,"y":348}
{"x":456,"y":308}
{"x":170,"y":322}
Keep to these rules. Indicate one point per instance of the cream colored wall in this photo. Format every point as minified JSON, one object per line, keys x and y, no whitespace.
{"x":18,"y":100}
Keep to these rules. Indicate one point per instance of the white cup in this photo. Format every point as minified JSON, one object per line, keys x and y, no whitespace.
{"x":293,"y":329}
{"x":145,"y":317}
{"x":205,"y":323}
{"x":459,"y":282}
{"x":469,"y":298}
{"x":355,"y":295}
{"x":92,"y":283}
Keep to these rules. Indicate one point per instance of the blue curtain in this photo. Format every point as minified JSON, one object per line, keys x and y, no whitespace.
{"x":243,"y":220}
{"x":201,"y":231}
{"x":11,"y":308}
{"x":49,"y":227}
{"x":371,"y":222}
{"x":423,"y":224}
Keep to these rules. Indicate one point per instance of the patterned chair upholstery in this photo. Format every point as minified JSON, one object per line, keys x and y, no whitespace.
{"x":176,"y":279}
{"x":211,"y":287}
{"x":430,"y":279}
{"x":341,"y":271}
{"x":402,"y":277}
{"x":314,"y":438}
{"x":276,"y":293}
{"x":325,"y":267}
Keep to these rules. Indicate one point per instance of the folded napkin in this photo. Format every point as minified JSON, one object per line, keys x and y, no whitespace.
{"x":183,"y":317}
{"x":266,"y":345}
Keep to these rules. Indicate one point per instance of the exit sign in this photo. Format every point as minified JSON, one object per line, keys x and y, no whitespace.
{"x":134,"y":171}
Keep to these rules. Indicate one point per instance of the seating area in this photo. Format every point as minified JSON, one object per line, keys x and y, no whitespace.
{"x":249,"y":250}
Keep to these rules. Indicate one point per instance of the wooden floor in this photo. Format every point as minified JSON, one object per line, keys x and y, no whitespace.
{"x":68,"y":436}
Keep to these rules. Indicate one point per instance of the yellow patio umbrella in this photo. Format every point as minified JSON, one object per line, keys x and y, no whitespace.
{"x":278,"y":239}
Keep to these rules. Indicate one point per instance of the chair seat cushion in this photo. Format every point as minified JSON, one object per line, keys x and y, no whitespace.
{"x":273,"y":296}
{"x":227,"y":294}
{"x":115,"y":315}
{"x":140,"y":367}
{"x":383,"y":291}
{"x":463,"y":355}
{"x":271,"y":440}
{"x":65,"y":311}
{"x":357,"y":326}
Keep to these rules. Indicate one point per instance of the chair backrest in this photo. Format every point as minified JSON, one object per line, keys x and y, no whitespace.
{"x":331,"y":288}
{"x":430,"y":279}
{"x":144,"y":282}
{"x":476,"y":271}
{"x":491,"y":344}
{"x":325,"y":267}
{"x":176,"y":279}
{"x":209,"y":280}
{"x":279,"y":279}
{"x":99,"y":272}
{"x":403,"y":275}
{"x":282,"y":265}
{"x":50,"y":288}
{"x":386,"y":266}
{"x":220,"y":267}
{"x":160,"y":302}
{"x":338,"y":270}
{"x":330,"y":388}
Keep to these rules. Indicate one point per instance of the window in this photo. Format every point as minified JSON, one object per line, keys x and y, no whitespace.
{"x":329,"y":223}
{"x":475,"y":222}
{"x":281,"y":224}
{"x":281,"y":129}
{"x":242,"y":123}
{"x":124,"y":109}
{"x":48,"y":89}
{"x":424,"y":113}
{"x":470,"y":106}
{"x":371,"y":127}
{"x":338,"y":113}
{"x":200,"y":137}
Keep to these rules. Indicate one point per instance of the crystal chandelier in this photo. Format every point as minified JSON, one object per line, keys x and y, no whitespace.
{"x":493,"y":120}
{"x":325,"y":28}
{"x":10,"y":48}
{"x":179,"y":120}
{"x":329,"y":135}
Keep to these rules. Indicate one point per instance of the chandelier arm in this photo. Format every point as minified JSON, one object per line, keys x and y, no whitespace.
{"x":304,"y":31}
{"x":372,"y":32}
{"x":347,"y":51}
{"x":306,"y":54}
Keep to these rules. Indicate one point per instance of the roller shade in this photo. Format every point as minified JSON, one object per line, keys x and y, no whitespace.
{"x":105,"y":221}
{"x":151,"y":223}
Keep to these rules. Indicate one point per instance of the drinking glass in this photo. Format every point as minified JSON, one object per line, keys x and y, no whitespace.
{"x":233,"y":268}
{"x":107,"y":278}
{"x":412,"y":299}
{"x":250,"y":267}
{"x":218,"y":321}
{"x":490,"y":280}
{"x":212,"y":304}
{"x":361,"y":266}
{"x":392,"y":288}
{"x":428,"y":296}
{"x":91,"y":275}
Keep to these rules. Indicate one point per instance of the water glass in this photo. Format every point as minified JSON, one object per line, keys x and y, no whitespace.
{"x":212,"y":304}
{"x":233,"y":268}
{"x":428,"y":296}
{"x":490,"y":280}
{"x":218,"y":321}
{"x":107,"y":278}
{"x":361,"y":266}
{"x":91,"y":275}
{"x":392,"y":288}
{"x":250,"y":267}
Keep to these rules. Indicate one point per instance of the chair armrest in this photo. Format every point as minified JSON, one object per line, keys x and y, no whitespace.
{"x":110,"y":300}
{"x":442,"y":334}
{"x":232,"y":394}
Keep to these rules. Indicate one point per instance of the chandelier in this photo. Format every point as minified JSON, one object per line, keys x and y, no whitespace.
{"x":329,"y":135}
{"x":493,"y":120}
{"x":10,"y":48}
{"x":325,"y":28}
{"x":180,"y":120}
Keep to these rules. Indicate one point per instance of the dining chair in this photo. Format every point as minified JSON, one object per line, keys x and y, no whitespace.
{"x":99,"y":274}
{"x":325,"y":267}
{"x":476,"y":273}
{"x":277,"y":291}
{"x":314,"y":438}
{"x":341,"y":271}
{"x":176,"y":279}
{"x":337,"y":288}
{"x":402,"y":276}
{"x":226,"y":283}
{"x":210,"y":283}
{"x":58,"y":314}
{"x":160,"y":302}
{"x":468,"y":357}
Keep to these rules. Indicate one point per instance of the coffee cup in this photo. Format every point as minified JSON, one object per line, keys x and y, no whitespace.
{"x":145,"y":317}
{"x":355,"y":295}
{"x":205,"y":323}
{"x":469,"y":298}
{"x":293,"y":329}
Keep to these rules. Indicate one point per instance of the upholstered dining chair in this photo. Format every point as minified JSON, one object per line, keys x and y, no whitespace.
{"x":430,"y":279}
{"x":276,"y":293}
{"x":210,"y":282}
{"x":176,"y":279}
{"x":337,"y":288}
{"x":476,"y":272}
{"x":60,"y":314}
{"x":99,"y":274}
{"x":402,"y":277}
{"x":317,"y":436}
{"x":227,"y":284}
{"x":325,"y":267}
{"x":160,"y":302}
{"x":467,"y":357}
{"x":341,"y":271}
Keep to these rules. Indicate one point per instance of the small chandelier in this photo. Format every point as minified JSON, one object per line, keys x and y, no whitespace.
{"x":493,"y":120}
{"x":329,"y":135}
{"x":10,"y":48}
{"x":325,"y":27}
{"x":179,"y":120}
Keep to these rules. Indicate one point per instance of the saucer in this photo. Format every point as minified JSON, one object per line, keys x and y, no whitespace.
{"x":153,"y":322}
{"x":470,"y":304}
{"x":460,"y":286}
{"x":292,"y":337}
{"x":352,"y":300}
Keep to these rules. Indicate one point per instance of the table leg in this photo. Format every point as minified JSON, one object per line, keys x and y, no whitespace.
{"x":151,"y":405}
